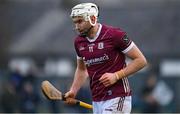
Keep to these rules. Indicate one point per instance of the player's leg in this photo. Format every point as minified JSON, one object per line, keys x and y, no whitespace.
{"x":127,"y":105}
{"x":117,"y":105}
{"x":97,"y":107}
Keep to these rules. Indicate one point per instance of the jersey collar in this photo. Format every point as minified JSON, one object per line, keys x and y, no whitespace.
{"x":97,"y":34}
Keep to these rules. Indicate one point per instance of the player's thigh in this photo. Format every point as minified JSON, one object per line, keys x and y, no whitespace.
{"x":127,"y":105}
{"x":97,"y":107}
{"x":118,"y":105}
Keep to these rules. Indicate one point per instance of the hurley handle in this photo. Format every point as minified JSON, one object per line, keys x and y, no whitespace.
{"x":78,"y":102}
{"x":83,"y":104}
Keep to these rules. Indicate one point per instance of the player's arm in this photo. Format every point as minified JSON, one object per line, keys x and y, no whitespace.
{"x":79,"y":79}
{"x":137,"y":63}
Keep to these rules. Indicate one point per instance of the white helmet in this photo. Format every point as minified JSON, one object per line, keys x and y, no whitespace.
{"x":86,"y":10}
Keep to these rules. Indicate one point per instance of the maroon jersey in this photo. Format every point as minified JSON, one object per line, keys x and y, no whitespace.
{"x":105,"y":54}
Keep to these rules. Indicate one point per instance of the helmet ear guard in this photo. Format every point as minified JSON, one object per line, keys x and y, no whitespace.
{"x":93,"y":24}
{"x":85,"y":10}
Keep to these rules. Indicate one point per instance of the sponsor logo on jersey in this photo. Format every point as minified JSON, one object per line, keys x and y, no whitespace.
{"x":126,"y":39}
{"x":109,"y":92}
{"x":97,"y":60}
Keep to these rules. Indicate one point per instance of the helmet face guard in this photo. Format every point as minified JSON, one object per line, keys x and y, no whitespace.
{"x":85,"y":10}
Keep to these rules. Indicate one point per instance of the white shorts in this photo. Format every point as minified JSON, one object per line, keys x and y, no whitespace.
{"x":113,"y":106}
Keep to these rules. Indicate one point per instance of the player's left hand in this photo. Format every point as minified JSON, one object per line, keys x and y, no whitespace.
{"x":69,"y":97}
{"x":108,"y":79}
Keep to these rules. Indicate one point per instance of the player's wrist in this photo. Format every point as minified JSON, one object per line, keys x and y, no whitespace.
{"x":116,"y":75}
{"x":120,"y":74}
{"x":73,"y":91}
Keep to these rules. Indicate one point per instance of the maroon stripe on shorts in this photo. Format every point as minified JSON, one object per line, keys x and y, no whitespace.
{"x":120,"y":103}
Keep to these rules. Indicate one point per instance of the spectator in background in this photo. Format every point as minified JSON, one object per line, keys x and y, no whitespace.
{"x":155,"y":94}
{"x":31,"y":75}
{"x":29,"y":99}
{"x":9,"y":98}
{"x":149,"y":102}
{"x":16,"y":79}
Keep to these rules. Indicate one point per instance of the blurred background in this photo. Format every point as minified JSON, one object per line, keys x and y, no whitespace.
{"x":36,"y":44}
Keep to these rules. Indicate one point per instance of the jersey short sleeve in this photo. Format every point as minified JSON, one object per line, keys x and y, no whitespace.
{"x":121,"y":41}
{"x":77,"y":50}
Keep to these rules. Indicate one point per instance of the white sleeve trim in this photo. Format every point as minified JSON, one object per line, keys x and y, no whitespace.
{"x":128,"y":48}
{"x":80,"y":58}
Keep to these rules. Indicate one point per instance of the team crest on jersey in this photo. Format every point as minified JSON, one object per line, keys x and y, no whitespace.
{"x":100,"y":45}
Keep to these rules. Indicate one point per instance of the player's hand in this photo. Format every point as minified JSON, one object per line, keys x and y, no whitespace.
{"x":108,"y":79}
{"x":68,"y":96}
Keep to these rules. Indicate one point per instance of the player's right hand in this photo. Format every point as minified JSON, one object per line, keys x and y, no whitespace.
{"x":68,"y":96}
{"x":108,"y":79}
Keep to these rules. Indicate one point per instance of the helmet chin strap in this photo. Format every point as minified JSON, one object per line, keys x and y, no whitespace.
{"x":85,"y":33}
